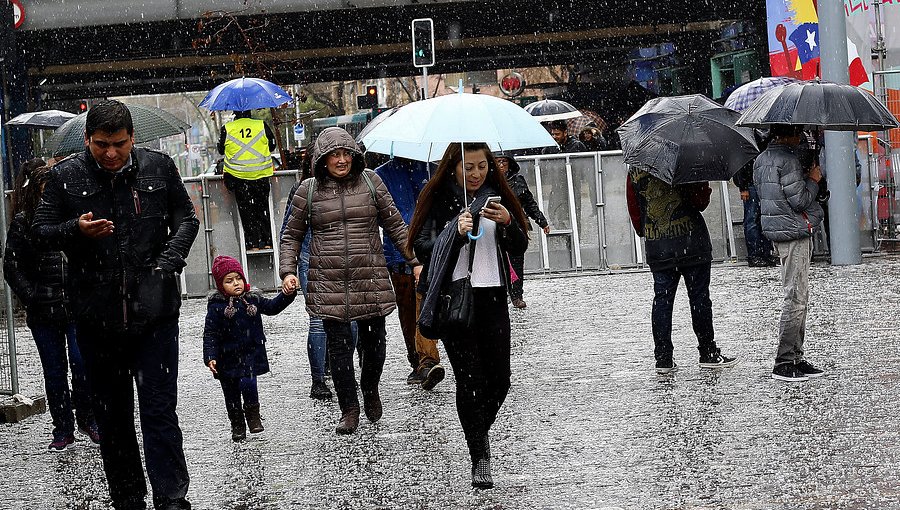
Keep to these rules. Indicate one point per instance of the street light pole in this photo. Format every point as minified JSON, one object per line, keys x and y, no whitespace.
{"x":839,"y":145}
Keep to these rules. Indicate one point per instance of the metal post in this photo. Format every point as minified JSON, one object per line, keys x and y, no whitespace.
{"x":539,"y":189}
{"x":601,"y":212}
{"x":729,"y":223}
{"x":842,"y":213}
{"x":576,"y":239}
{"x":424,"y":83}
{"x":7,"y":290}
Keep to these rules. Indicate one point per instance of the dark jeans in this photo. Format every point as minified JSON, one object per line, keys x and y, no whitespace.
{"x":233,"y":388}
{"x":116,"y":360}
{"x":665,"y":283}
{"x":481,"y":366}
{"x":758,"y":245}
{"x":52,"y":342}
{"x":371,"y":335}
{"x":252,"y":199}
{"x":518,"y":265}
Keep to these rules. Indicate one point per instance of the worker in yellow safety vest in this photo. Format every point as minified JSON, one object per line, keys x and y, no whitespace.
{"x":247,"y":145}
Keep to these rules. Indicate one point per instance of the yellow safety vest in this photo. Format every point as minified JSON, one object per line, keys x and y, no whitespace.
{"x":247,"y":154}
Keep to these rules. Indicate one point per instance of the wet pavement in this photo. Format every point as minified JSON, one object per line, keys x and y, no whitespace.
{"x":587,"y":425}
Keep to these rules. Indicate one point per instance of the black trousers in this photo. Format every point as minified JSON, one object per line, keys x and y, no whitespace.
{"x":518,"y":265}
{"x":665,"y":284}
{"x":481,"y":366}
{"x":114,"y":362}
{"x":252,"y":199}
{"x":371,"y":337}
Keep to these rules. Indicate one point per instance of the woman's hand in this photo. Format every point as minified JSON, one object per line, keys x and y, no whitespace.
{"x":496,"y":212}
{"x":212,"y":367}
{"x":289,"y":284}
{"x":464,"y":223}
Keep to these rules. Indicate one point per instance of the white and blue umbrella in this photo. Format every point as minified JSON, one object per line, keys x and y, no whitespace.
{"x":423,"y":130}
{"x":244,"y":94}
{"x":742,"y":97}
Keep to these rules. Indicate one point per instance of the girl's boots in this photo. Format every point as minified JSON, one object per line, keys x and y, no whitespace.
{"x":238,"y":429}
{"x":481,"y":464}
{"x":254,"y":421}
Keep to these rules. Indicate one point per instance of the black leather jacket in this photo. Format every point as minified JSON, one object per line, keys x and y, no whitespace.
{"x":126,"y":280}
{"x":37,"y":277}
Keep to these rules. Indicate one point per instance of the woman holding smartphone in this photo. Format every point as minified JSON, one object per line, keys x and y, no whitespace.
{"x":469,"y":181}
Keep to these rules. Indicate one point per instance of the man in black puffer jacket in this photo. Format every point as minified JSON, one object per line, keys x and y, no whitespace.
{"x":668,"y":218}
{"x":126,"y":224}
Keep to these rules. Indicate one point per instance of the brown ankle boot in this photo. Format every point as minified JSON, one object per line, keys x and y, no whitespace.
{"x":238,"y":429}
{"x":372,"y":405}
{"x":349,"y":421}
{"x":254,"y":421}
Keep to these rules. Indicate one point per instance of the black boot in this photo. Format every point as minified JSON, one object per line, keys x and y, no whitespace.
{"x":481,"y":465}
{"x":349,"y":421}
{"x":238,"y":428}
{"x":372,"y":404}
{"x":320,"y":391}
{"x":254,"y":421}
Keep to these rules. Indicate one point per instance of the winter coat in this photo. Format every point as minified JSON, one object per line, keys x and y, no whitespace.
{"x":438,"y":244}
{"x":787,"y":197}
{"x":572,"y":145}
{"x":127,"y":279}
{"x":523,"y":193}
{"x":238,"y":343}
{"x":348,"y":277}
{"x":404,"y":179}
{"x":37,"y":277}
{"x":668,"y":218}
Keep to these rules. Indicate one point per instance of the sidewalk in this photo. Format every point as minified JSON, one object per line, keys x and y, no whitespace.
{"x":587,"y":424}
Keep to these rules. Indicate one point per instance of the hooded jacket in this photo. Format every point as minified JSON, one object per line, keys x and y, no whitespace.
{"x":787,"y":198}
{"x":523,"y":193}
{"x":348,"y":277}
{"x":238,"y":343}
{"x":127,"y":279}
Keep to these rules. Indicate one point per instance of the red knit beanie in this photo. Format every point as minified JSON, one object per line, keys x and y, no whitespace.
{"x":224,"y":265}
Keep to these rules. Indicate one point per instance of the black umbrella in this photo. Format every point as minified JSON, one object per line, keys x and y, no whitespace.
{"x":552,"y":109}
{"x":686,"y":139}
{"x":150,"y":124}
{"x":818,"y":103}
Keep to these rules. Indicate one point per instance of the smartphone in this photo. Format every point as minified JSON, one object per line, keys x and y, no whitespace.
{"x":495,"y":198}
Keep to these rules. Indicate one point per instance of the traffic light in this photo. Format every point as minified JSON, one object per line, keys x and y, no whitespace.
{"x":368,"y":100}
{"x":82,"y":106}
{"x":423,"y":42}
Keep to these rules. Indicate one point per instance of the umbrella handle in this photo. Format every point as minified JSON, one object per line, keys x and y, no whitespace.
{"x":480,"y":233}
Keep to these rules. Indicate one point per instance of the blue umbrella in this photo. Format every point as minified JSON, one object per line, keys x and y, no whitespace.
{"x":244,"y":94}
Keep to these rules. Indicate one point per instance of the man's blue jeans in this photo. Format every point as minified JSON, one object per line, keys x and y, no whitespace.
{"x":53,"y":343}
{"x":665,"y":283}
{"x":758,"y":246}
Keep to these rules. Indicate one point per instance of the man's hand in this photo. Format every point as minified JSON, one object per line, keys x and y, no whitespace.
{"x":95,"y":229}
{"x":417,"y":271}
{"x":212,"y":367}
{"x":815,"y":173}
{"x":745,"y":195}
{"x":547,"y":229}
{"x":290,"y":284}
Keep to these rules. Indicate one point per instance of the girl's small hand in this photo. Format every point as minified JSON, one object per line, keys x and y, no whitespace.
{"x":464,"y":223}
{"x":212,"y":367}
{"x":496,"y":212}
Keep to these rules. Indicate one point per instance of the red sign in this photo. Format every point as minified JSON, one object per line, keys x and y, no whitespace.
{"x":512,"y":84}
{"x":18,"y":13}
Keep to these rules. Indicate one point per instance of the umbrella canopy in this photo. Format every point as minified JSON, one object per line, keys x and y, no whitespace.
{"x":244,"y":94}
{"x":686,"y":139}
{"x":150,"y":123}
{"x":552,"y":109}
{"x":742,"y":97}
{"x":423,"y":130}
{"x":587,"y":118}
{"x":374,"y":122}
{"x":47,"y":119}
{"x":823,"y":104}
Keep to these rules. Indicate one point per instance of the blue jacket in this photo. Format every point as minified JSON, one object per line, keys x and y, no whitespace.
{"x":404,"y":179}
{"x":238,"y":344}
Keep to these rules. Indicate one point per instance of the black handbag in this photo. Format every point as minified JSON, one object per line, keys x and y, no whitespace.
{"x":456,"y":304}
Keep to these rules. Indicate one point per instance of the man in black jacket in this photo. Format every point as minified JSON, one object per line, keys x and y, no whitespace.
{"x":678,"y":245}
{"x":126,"y":224}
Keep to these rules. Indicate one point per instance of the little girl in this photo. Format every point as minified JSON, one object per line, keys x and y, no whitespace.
{"x":234,"y":345}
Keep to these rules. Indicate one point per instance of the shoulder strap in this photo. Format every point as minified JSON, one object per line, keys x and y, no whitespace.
{"x":309,"y":201}
{"x":371,"y":187}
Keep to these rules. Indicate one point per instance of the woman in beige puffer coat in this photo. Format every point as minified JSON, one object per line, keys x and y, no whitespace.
{"x":348,"y":277}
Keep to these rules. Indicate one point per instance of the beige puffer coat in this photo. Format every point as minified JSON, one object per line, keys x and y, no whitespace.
{"x":348,"y":278}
